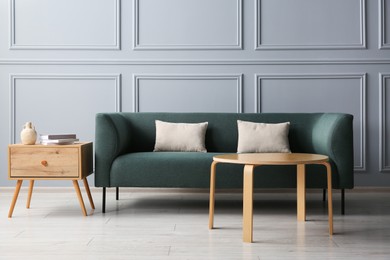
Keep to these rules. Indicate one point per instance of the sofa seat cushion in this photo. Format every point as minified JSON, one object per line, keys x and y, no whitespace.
{"x":168,"y":169}
{"x":177,"y":170}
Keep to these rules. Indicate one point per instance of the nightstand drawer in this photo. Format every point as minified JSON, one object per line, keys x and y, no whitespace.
{"x":44,"y":162}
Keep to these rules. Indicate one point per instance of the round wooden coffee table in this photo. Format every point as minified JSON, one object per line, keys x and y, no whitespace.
{"x":253,"y":160}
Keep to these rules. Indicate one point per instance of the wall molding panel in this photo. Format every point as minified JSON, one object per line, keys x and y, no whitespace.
{"x":50,"y":42}
{"x":115,"y":78}
{"x":362,"y":102}
{"x":384,"y":90}
{"x":209,"y":77}
{"x":384,"y":23}
{"x":311,"y":33}
{"x":173,"y":43}
{"x":235,"y":56}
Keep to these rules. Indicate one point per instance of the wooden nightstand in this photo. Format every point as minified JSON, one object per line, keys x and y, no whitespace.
{"x":50,"y":162}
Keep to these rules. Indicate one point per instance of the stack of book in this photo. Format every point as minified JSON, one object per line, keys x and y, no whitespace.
{"x":54,"y":139}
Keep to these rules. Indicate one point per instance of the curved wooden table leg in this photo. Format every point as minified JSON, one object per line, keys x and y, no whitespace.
{"x":248,"y":204}
{"x":30,"y":190}
{"x":79,"y":196}
{"x":212,"y":194}
{"x":88,"y":192}
{"x":15,"y":198}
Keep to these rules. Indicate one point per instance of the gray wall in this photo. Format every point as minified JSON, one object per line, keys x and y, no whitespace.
{"x":62,"y":61}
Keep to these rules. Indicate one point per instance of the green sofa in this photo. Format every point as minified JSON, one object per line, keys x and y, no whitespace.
{"x":124,"y":154}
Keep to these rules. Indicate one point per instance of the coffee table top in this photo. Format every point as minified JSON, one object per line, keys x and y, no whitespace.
{"x":271,"y":158}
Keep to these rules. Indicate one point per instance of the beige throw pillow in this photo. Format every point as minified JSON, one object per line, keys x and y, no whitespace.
{"x":180,"y":137}
{"x":262,"y":138}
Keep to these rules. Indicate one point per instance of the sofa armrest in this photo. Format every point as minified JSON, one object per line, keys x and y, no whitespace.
{"x":112,"y":138}
{"x":333,"y":136}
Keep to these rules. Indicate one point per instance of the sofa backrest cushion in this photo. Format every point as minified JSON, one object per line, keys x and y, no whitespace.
{"x":180,"y":137}
{"x":263,"y":138}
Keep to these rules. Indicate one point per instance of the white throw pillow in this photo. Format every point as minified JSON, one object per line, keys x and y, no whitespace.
{"x":262,"y":138}
{"x":180,"y":137}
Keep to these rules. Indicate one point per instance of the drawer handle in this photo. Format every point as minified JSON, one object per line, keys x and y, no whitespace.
{"x":44,"y":163}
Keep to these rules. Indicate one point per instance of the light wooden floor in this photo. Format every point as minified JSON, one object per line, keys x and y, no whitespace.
{"x":172,"y":224}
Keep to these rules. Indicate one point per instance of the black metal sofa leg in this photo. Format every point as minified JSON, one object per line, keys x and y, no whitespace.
{"x":324,"y":195}
{"x":342,"y":199}
{"x":104,"y":200}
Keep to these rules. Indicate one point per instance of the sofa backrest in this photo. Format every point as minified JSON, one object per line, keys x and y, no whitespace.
{"x":222,"y":133}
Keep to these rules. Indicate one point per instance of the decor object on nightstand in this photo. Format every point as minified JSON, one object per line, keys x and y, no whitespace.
{"x":28,"y":135}
{"x":41,"y":162}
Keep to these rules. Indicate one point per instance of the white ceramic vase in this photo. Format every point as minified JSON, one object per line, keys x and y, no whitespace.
{"x":28,"y":134}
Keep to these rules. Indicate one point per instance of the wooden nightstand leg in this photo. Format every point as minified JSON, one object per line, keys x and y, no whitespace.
{"x":79,"y":196}
{"x":15,"y":198}
{"x":88,"y":192}
{"x":30,"y":190}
